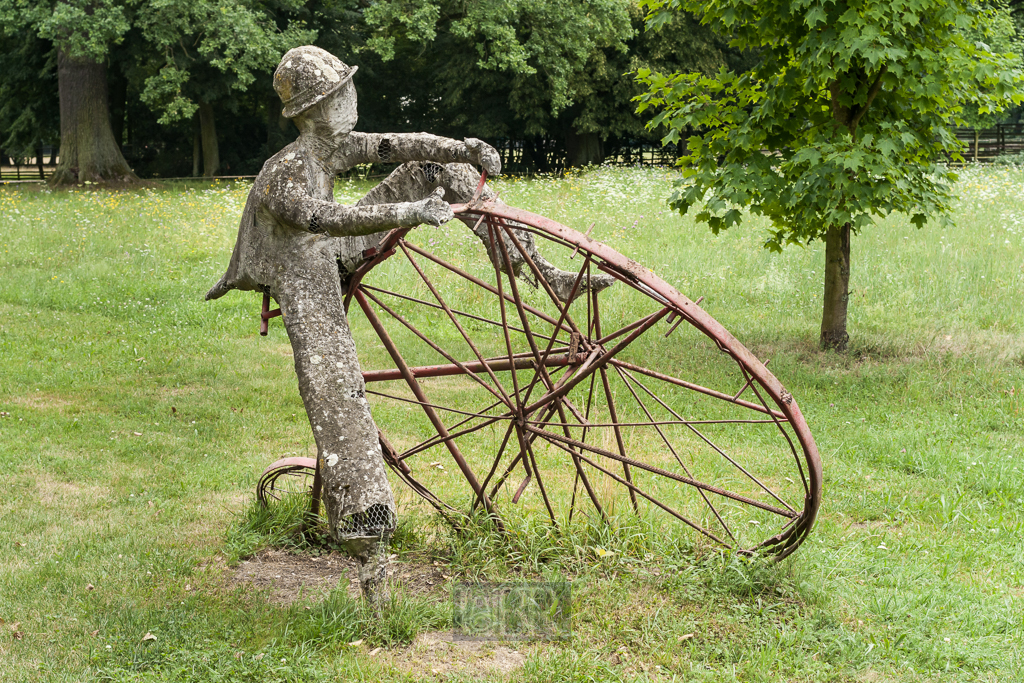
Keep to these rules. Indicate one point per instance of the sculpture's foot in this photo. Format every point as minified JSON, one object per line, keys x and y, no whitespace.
{"x":562,"y":281}
{"x":372,"y":554}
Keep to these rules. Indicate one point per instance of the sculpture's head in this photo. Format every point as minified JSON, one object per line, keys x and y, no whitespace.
{"x":316,"y":90}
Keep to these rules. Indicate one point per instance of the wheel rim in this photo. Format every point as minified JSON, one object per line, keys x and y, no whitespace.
{"x":286,"y":477}
{"x":594,"y":408}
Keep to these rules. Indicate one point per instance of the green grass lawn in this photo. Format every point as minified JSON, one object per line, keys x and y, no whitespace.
{"x":135,"y":419}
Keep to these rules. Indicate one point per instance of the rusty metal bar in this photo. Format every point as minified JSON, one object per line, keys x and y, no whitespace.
{"x":504,"y":327}
{"x":449,"y":370}
{"x":477,"y":281}
{"x":439,"y":308}
{"x":433,"y":405}
{"x":665,"y":473}
{"x":540,"y":278}
{"x":417,"y":391}
{"x":266,"y":314}
{"x":750,"y":379}
{"x":696,"y":387}
{"x":604,"y":358}
{"x":611,"y":408}
{"x":629,"y":328}
{"x":441,"y":351}
{"x":430,"y":443}
{"x":634,"y":489}
{"x":643,"y":406}
{"x":458,"y":325}
{"x":712,"y":444}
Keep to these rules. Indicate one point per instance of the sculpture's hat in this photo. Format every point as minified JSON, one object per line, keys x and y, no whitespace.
{"x":307,"y":75}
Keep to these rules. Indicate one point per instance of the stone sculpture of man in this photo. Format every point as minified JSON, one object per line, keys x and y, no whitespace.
{"x":296,"y":244}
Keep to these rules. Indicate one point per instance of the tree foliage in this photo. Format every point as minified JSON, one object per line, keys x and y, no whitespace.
{"x":28,"y":93}
{"x":538,"y":51}
{"x":848,"y":114}
{"x":202,"y":50}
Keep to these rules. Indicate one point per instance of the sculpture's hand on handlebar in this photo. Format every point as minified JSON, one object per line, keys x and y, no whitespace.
{"x":432,"y":210}
{"x":484,"y":155}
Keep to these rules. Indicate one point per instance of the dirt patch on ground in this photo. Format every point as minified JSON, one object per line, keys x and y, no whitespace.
{"x":41,"y":401}
{"x":289,"y":577}
{"x":439,"y":654}
{"x":56,"y":493}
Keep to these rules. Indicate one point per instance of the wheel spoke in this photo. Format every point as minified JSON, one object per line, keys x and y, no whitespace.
{"x":635,"y":490}
{"x":458,"y":325}
{"x":541,"y":279}
{"x":521,"y":309}
{"x":480,"y":283}
{"x":456,"y":311}
{"x":710,"y":443}
{"x":618,"y":435}
{"x":527,"y":443}
{"x":665,"y":473}
{"x":598,"y":362}
{"x":792,"y":448}
{"x":436,"y":406}
{"x":696,"y":387}
{"x":450,"y":358}
{"x":611,"y":409}
{"x":494,"y":465}
{"x":417,"y":391}
{"x":672,"y":450}
{"x":504,"y":329}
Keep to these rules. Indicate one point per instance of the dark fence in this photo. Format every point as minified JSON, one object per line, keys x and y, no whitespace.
{"x":987,"y":144}
{"x":28,"y":167}
{"x":23,"y":169}
{"x":548,"y":155}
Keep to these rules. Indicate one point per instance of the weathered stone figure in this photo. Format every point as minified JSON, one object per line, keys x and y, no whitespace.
{"x":298,"y":245}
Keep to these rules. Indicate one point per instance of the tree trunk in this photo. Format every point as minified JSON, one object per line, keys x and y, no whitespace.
{"x":88,"y":151}
{"x":39,"y":161}
{"x":211,"y":154}
{"x":583,"y":149}
{"x":197,"y":146}
{"x":118,"y":105}
{"x":837,"y":288}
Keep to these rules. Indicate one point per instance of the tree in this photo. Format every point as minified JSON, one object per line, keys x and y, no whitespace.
{"x":602,"y":110}
{"x":28,"y":95}
{"x":203,"y":53}
{"x":847,"y":116}
{"x":510,"y":68}
{"x":81,"y":30}
{"x":193,"y":50}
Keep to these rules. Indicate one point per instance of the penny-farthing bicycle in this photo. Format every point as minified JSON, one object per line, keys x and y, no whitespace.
{"x":497,"y":392}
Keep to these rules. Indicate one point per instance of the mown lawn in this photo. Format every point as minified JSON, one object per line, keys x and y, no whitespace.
{"x":136,"y":419}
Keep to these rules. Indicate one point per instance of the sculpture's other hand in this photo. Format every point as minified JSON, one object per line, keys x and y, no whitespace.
{"x":482,"y":154}
{"x":432,"y":210}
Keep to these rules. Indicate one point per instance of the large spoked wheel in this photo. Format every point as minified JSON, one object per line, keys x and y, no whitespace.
{"x":554,"y":392}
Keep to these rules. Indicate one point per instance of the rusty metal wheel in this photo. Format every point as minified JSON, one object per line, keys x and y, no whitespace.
{"x":546,"y":394}
{"x":286,"y":477}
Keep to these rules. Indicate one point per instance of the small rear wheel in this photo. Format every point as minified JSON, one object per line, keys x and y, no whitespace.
{"x":286,"y":477}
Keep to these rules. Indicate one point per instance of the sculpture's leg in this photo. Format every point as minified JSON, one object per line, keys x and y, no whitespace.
{"x":415,"y":180}
{"x":358,"y":498}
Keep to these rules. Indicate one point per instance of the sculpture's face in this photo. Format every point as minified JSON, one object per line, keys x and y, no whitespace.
{"x":339,"y":111}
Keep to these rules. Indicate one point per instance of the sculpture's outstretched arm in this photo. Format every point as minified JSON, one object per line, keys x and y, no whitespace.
{"x":459,"y":183}
{"x":398,"y":148}
{"x":288,"y":199}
